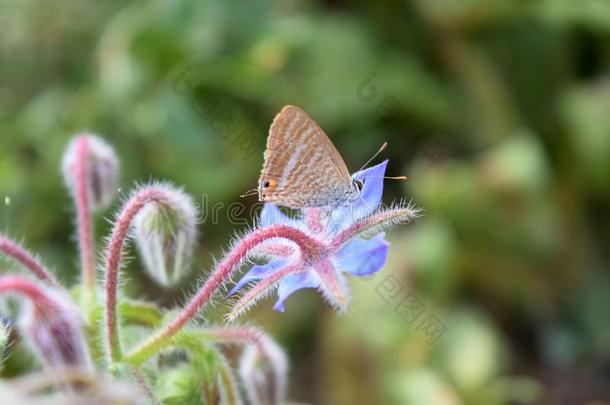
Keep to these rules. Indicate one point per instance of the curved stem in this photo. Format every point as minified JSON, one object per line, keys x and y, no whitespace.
{"x":83,"y":215}
{"x":308,"y":246}
{"x":27,"y":288}
{"x":249,"y":298}
{"x":53,"y":326}
{"x":113,"y":261}
{"x":27,"y":259}
{"x":383,"y":219}
{"x":240,"y":334}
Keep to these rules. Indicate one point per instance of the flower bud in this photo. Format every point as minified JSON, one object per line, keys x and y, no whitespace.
{"x":181,"y":385}
{"x":165,"y":235}
{"x":91,"y":157}
{"x":41,"y":388}
{"x":263,"y":369}
{"x":226,"y":384}
{"x":51,"y":325}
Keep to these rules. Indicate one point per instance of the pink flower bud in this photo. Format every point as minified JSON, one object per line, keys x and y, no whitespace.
{"x":91,"y":157}
{"x":50,"y":323}
{"x":165,"y":235}
{"x":263,"y":369}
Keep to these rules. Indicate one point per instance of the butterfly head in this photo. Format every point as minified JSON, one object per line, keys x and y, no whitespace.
{"x":355,"y":190}
{"x":265,"y":188}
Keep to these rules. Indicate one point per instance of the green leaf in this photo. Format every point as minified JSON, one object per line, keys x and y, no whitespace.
{"x":140,"y":313}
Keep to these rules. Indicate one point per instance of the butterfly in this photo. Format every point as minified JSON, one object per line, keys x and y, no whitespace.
{"x":302,"y":168}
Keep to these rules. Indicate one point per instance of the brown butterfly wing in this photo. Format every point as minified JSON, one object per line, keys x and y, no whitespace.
{"x":302,"y":166}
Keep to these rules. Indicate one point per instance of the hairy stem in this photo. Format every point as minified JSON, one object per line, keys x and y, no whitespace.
{"x":27,"y":259}
{"x":83,"y":215}
{"x":239,"y":334}
{"x":308,"y":246}
{"x":26,"y":288}
{"x":381,"y":219}
{"x":113,"y":258}
{"x":260,"y":288}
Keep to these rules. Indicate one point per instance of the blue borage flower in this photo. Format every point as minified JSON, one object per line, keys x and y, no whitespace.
{"x":359,"y":256}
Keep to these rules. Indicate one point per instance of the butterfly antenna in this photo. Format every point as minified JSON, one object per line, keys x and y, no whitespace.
{"x":385,"y":145}
{"x":389,"y":177}
{"x":249,"y":193}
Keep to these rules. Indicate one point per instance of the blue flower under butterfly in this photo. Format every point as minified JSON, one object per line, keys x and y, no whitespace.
{"x":346,"y":250}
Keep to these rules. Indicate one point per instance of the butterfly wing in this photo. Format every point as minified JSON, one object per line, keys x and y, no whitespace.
{"x":302,"y":166}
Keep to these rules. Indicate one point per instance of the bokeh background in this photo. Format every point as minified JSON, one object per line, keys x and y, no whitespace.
{"x":499,"y":113}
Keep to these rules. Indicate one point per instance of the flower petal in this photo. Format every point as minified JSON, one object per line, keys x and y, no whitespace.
{"x":292,"y":283}
{"x":362,"y":257}
{"x":272,"y":215}
{"x":256,"y":273}
{"x":368,"y":202}
{"x":370,"y":197}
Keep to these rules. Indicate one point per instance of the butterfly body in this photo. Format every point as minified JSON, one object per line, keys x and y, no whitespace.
{"x":302,"y":166}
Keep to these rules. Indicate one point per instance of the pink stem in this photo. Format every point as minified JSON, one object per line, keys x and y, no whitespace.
{"x":380,"y":218}
{"x":277,"y":249}
{"x":262,"y":285}
{"x":308,"y":246}
{"x":244,"y":334}
{"x":27,"y":288}
{"x":17,"y":252}
{"x":53,"y":328}
{"x":114,"y":256}
{"x":83,"y":214}
{"x":331,"y":283}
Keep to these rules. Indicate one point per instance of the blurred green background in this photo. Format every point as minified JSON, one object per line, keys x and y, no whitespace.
{"x":499,"y":113}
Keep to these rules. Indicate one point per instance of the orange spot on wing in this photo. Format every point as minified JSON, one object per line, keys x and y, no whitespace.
{"x":267,"y":189}
{"x":268,"y":185}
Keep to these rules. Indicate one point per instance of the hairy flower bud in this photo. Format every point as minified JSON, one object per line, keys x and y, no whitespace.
{"x":41,"y":388}
{"x":165,"y":235}
{"x":263,"y":369}
{"x":91,"y":157}
{"x":50,"y":324}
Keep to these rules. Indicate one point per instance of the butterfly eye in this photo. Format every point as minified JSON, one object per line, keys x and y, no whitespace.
{"x":359,"y":184}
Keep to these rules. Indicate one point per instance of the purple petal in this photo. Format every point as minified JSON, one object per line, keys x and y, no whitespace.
{"x":370,"y":197}
{"x":256,"y":273}
{"x":271,"y":215}
{"x":292,"y":283}
{"x":362,"y":257}
{"x":340,"y":218}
